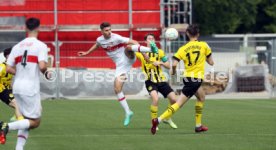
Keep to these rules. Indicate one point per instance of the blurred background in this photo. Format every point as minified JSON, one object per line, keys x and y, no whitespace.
{"x":241,"y":35}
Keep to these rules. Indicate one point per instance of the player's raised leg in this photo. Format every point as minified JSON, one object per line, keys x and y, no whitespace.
{"x":118,"y":86}
{"x":172,"y":99}
{"x":138,"y":48}
{"x":182,"y":99}
{"x":24,"y":124}
{"x":17,"y":125}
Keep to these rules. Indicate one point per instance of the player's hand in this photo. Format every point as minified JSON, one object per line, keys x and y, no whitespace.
{"x":157,"y":63}
{"x":82,"y":53}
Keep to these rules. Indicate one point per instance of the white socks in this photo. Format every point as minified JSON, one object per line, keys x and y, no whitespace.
{"x":138,"y":48}
{"x":123,"y":102}
{"x":22,"y":137}
{"x":19,"y":125}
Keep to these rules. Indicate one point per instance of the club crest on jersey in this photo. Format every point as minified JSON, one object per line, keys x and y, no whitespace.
{"x":10,"y":95}
{"x":150,"y":88}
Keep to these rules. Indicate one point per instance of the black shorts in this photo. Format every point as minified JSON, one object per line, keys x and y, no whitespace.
{"x":191,"y":85}
{"x":163,"y":87}
{"x":6,"y":96}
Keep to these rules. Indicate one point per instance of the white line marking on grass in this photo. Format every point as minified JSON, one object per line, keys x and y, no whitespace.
{"x":142,"y":135}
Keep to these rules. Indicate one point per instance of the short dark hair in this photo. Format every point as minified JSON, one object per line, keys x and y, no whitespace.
{"x":32,"y":23}
{"x":7,"y":51}
{"x":146,"y":36}
{"x":104,"y":24}
{"x":193,"y":30}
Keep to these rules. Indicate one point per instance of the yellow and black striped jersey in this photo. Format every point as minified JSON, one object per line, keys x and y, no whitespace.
{"x":5,"y":78}
{"x":153,"y":73}
{"x":194,"y":55}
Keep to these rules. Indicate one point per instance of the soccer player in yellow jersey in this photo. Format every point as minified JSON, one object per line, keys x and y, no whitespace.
{"x":5,"y":87}
{"x":194,"y":54}
{"x":155,"y":79}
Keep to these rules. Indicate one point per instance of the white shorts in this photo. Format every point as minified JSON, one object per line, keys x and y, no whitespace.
{"x":29,"y":106}
{"x":124,"y":67}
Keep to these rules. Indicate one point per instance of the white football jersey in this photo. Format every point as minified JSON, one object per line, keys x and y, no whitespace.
{"x":25,"y":57}
{"x":114,"y":47}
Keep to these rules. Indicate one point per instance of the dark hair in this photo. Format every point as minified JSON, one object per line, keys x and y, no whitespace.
{"x":7,"y":51}
{"x":193,"y":30}
{"x":32,"y":23}
{"x":146,"y":36}
{"x":104,"y":24}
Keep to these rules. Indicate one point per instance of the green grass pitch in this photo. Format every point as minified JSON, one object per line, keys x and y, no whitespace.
{"x":98,"y":125}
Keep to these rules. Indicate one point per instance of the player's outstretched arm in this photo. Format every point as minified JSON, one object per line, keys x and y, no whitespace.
{"x":94,"y":47}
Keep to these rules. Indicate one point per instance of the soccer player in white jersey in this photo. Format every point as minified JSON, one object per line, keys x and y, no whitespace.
{"x":27,"y":59}
{"x":121,"y":51}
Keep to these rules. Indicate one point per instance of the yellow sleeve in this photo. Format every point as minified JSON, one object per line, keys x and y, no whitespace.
{"x":179,"y":54}
{"x":2,"y":69}
{"x":139,"y":56}
{"x":208,"y":50}
{"x":161,"y":53}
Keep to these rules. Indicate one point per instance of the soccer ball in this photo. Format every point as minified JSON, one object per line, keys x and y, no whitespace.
{"x":171,"y":34}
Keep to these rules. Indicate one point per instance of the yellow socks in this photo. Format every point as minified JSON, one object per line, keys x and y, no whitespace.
{"x":153,"y":111}
{"x":20,"y":118}
{"x":198,"y":112}
{"x":170,"y":111}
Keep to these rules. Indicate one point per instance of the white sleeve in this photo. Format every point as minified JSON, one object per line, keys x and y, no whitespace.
{"x":11,"y":59}
{"x":43,"y":53}
{"x":122,"y":39}
{"x":98,"y":43}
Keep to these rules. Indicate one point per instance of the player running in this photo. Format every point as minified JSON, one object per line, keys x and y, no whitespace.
{"x":121,"y":51}
{"x":194,"y":54}
{"x":27,"y":59}
{"x":155,"y":79}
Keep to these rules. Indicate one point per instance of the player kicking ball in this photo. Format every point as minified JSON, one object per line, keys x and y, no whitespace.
{"x":121,"y":51}
{"x":194,"y":54}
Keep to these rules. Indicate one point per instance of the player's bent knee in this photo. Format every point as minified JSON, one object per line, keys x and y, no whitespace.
{"x":34,"y":123}
{"x":172,"y":97}
{"x":130,"y":54}
{"x":201,"y":98}
{"x":154,"y":98}
{"x":117,"y":91}
{"x":128,"y":48}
